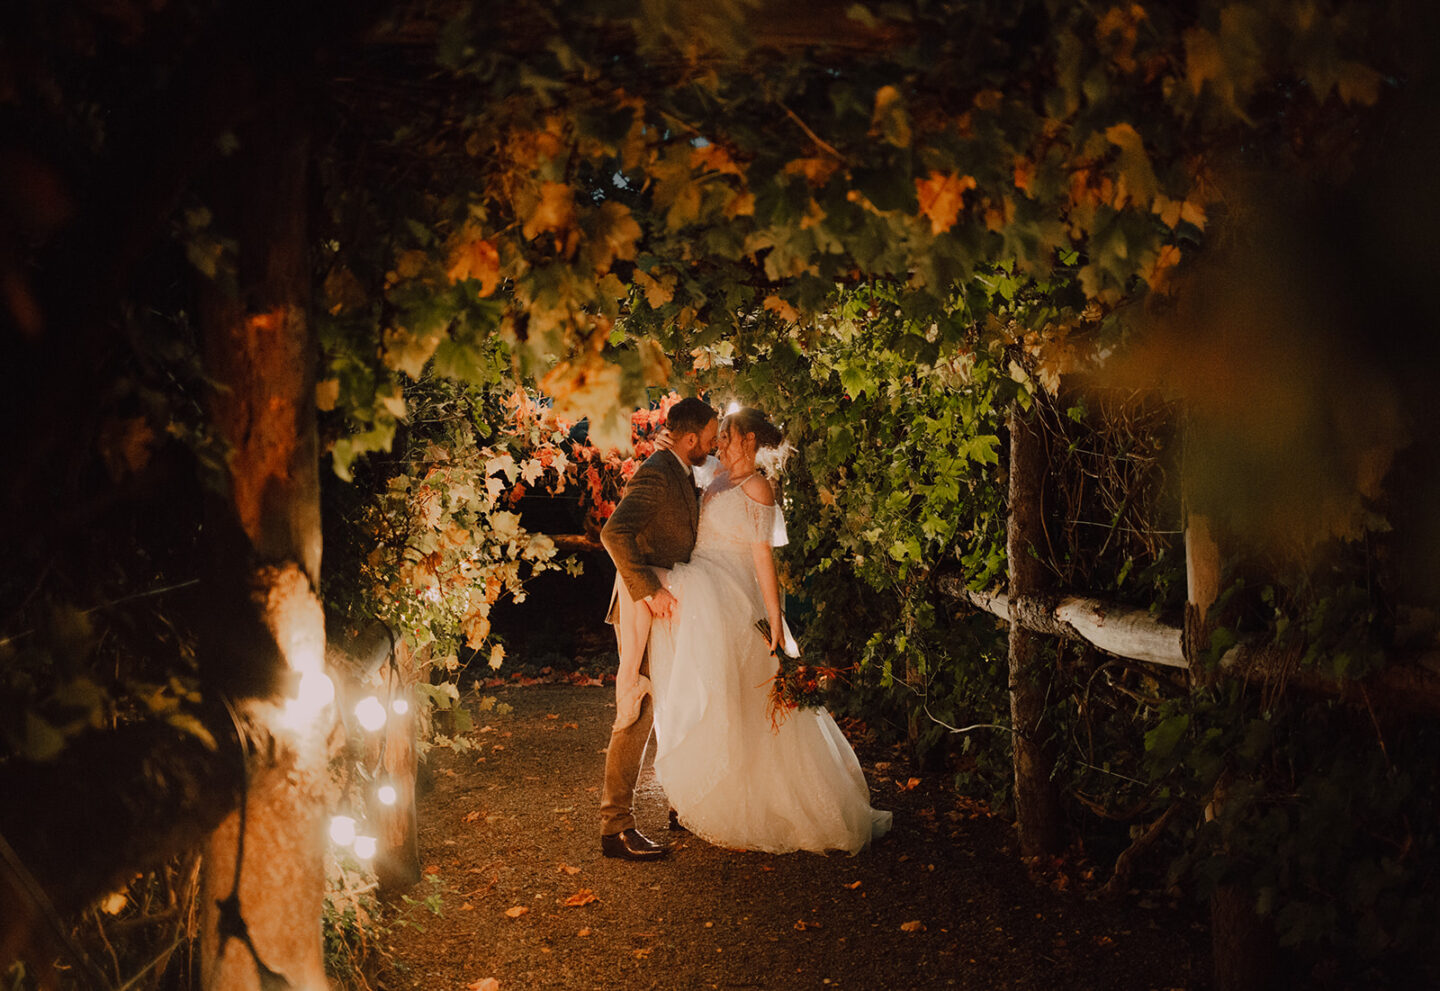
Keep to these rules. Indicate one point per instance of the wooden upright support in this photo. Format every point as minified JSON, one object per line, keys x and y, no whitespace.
{"x":1037,"y":803}
{"x":397,"y":862}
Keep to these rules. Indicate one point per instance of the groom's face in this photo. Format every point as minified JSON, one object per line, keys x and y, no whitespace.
{"x":695,"y":448}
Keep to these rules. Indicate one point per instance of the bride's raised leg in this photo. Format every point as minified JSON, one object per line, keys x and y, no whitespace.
{"x":634,"y":629}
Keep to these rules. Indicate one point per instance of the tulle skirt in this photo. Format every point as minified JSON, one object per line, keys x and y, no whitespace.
{"x":733,"y":778}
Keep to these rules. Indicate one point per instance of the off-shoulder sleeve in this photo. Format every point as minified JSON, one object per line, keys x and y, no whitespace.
{"x":766,"y":524}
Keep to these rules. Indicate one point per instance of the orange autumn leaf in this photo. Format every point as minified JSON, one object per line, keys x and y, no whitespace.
{"x":913,"y":926}
{"x":659,"y":291}
{"x":475,"y":259}
{"x":1158,"y":275}
{"x":582,"y":897}
{"x":615,"y":234}
{"x":817,"y":171}
{"x":484,"y":984}
{"x":1024,"y":173}
{"x":782,"y":309}
{"x":908,"y":785}
{"x":567,"y":869}
{"x":516,"y":911}
{"x":941,"y":197}
{"x":555,"y":210}
{"x":713,"y":158}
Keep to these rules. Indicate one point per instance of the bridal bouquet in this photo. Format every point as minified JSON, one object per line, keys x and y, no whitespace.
{"x":795,"y":685}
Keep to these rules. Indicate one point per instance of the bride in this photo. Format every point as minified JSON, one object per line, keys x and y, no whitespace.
{"x":733,"y":778}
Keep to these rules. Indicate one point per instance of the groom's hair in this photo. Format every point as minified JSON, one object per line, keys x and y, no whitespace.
{"x":689,"y":416}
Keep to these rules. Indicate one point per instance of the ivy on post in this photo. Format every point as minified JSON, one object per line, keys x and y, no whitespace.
{"x":1037,"y":805}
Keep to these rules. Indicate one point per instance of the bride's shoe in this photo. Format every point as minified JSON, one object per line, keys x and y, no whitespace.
{"x":627,"y":709}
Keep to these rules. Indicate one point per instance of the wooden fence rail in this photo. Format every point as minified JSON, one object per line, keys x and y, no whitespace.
{"x":1410,"y":684}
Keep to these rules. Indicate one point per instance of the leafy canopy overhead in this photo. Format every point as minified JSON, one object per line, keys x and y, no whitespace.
{"x":610,"y":184}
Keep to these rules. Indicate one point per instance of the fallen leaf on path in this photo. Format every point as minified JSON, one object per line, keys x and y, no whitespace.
{"x":567,"y":869}
{"x":433,"y":869}
{"x":913,"y":926}
{"x":584,"y":932}
{"x":912,"y":783}
{"x":552,"y":715}
{"x":572,"y":726}
{"x":853,"y":885}
{"x":582,"y":897}
{"x":472,"y":816}
{"x":516,"y":911}
{"x":801,"y":925}
{"x":484,"y":984}
{"x":642,"y":954}
{"x":467,"y":907}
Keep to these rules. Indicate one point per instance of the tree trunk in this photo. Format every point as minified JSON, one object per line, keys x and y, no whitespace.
{"x":1037,"y":805}
{"x":397,"y":864}
{"x":263,"y":888}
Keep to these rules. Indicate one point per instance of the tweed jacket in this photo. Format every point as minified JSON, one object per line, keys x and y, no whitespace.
{"x":655,"y":523}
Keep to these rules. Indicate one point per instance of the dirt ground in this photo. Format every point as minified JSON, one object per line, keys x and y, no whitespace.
{"x":943,"y":902}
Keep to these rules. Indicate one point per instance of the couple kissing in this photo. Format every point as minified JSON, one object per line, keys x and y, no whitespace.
{"x":695,"y":572}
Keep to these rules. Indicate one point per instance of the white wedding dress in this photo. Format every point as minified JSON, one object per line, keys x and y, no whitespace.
{"x":733,"y":778}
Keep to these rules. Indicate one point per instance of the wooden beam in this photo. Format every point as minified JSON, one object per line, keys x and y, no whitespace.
{"x":1409,"y":684}
{"x":1118,"y":630}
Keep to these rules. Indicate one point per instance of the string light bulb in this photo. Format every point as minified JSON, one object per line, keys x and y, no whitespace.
{"x":342,"y":830}
{"x":365,"y":847}
{"x":386,"y":794}
{"x":400,"y":707}
{"x":370,"y":712}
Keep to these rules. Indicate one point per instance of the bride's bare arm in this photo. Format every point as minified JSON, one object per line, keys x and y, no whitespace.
{"x":770,"y":588}
{"x":758,"y":488}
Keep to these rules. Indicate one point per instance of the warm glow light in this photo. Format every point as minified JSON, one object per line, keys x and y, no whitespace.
{"x":342,"y":830}
{"x":365,"y":847}
{"x":386,"y":794}
{"x":316,"y":690}
{"x":370,"y":712}
{"x":734,"y":407}
{"x":400,"y":707}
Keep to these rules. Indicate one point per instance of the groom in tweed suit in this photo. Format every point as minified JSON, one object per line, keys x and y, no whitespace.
{"x":653,"y":526}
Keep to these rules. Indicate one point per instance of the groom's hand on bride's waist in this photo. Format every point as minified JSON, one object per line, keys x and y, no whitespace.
{"x":662,"y":604}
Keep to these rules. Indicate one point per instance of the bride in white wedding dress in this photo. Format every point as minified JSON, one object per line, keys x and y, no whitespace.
{"x":733,"y":778}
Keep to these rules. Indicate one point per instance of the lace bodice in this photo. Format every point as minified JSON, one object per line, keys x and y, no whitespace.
{"x":730,"y":521}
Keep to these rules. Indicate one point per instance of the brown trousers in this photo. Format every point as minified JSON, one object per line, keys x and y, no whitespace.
{"x":622,"y":765}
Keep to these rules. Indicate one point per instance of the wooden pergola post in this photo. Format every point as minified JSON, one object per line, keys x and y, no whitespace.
{"x":397,"y":863}
{"x":1242,"y":943}
{"x":1037,"y":804}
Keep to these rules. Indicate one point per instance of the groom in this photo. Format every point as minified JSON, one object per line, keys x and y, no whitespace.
{"x":653,"y":526}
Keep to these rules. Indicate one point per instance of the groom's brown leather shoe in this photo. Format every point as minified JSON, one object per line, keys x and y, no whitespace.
{"x":631,"y":844}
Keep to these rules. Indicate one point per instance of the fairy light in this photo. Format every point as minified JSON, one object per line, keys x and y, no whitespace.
{"x":386,"y":794}
{"x":370,"y":712}
{"x":342,"y":830}
{"x":365,"y":847}
{"x":400,"y":707}
{"x":733,"y":408}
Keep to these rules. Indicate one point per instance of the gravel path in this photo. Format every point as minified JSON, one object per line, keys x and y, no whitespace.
{"x":942,"y":902}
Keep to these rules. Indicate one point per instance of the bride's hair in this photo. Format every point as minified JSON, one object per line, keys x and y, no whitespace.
{"x":770,"y":446}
